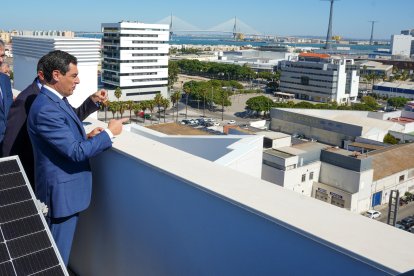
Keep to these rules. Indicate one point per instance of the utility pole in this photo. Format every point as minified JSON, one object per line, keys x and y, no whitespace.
{"x":328,"y":44}
{"x":371,"y":40}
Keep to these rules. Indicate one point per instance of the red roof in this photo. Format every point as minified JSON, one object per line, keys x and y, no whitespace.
{"x":315,"y":55}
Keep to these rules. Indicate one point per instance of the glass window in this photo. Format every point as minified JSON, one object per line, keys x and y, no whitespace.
{"x":303,"y":177}
{"x":311,"y":176}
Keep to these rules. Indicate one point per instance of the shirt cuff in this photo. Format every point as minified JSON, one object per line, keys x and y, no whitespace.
{"x":109,"y":133}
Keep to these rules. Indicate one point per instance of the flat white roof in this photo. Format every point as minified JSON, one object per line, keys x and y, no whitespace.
{"x":404,"y":85}
{"x":349,"y":233}
{"x":357,"y":118}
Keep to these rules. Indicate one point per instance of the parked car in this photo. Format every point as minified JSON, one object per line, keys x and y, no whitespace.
{"x":373,"y":214}
{"x":407,"y":222}
{"x":216,"y":124}
{"x":142,"y":114}
{"x":232,"y":122}
{"x":411,"y":230}
{"x":399,"y":226}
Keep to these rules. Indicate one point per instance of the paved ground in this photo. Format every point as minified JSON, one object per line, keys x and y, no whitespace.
{"x":403,"y":211}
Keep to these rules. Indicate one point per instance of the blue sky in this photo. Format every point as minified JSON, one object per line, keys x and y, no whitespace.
{"x":278,"y":17}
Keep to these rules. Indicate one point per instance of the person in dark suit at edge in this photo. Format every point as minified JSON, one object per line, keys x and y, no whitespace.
{"x":62,"y":150}
{"x":6,"y":95}
{"x":16,"y":139}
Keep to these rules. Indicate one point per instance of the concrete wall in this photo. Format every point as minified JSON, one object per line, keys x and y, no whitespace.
{"x":402,"y":136}
{"x":347,"y":162}
{"x":326,"y":131}
{"x":392,"y":182}
{"x":344,"y":179}
{"x":146,"y":221}
{"x":350,"y":182}
{"x":282,"y":142}
{"x":242,"y":153}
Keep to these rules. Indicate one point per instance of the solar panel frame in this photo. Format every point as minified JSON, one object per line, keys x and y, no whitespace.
{"x":22,"y":224}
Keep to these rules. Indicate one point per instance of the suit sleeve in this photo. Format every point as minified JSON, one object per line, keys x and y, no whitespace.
{"x":85,"y":109}
{"x":54,"y":128}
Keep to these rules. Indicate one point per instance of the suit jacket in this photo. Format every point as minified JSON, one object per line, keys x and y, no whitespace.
{"x":61,"y":150}
{"x":7,"y":101}
{"x":16,"y":139}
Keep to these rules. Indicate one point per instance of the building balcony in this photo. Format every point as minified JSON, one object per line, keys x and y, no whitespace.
{"x":157,"y":210}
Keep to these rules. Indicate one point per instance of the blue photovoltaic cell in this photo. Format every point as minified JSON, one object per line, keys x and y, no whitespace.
{"x":25,"y":246}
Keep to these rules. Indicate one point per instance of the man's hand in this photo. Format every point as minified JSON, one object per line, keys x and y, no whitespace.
{"x":115,"y":126}
{"x":94,"y":132}
{"x":100,"y":96}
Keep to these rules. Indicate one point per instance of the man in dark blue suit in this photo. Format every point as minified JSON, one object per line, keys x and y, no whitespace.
{"x":16,"y":139}
{"x":62,"y":150}
{"x":6,"y":95}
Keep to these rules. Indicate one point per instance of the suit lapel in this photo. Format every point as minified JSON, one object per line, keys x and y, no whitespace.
{"x":3,"y":91}
{"x":65,"y":107}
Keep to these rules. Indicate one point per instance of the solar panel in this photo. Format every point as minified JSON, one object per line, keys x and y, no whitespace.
{"x":26,"y":245}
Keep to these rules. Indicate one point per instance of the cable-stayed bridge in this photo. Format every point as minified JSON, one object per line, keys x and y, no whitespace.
{"x":233,"y":26}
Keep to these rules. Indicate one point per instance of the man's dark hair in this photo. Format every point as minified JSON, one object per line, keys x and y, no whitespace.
{"x":40,"y":64}
{"x":57,"y":60}
{"x":2,"y":45}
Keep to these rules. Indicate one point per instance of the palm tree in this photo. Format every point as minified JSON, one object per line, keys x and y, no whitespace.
{"x":130,"y":106}
{"x":165,"y":105}
{"x":136,"y":107}
{"x":121,"y":108}
{"x":118,"y":93}
{"x":144,"y":106}
{"x":158,"y":102}
{"x":150,"y":105}
{"x":175,"y":98}
{"x":187,"y":91}
{"x":113,"y":107}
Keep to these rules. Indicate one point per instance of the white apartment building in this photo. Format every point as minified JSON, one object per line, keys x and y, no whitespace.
{"x":27,"y":51}
{"x":401,"y":45}
{"x":321,"y":78}
{"x":135,"y":58}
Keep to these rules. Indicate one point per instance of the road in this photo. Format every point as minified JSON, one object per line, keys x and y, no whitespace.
{"x":403,"y":211}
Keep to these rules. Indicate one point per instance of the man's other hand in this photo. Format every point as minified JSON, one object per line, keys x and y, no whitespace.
{"x":94,"y":132}
{"x":115,"y":126}
{"x":100,"y":96}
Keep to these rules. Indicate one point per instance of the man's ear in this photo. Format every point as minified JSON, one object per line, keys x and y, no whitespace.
{"x":55,"y":75}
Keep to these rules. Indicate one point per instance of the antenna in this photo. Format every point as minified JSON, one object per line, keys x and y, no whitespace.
{"x":372,"y":32}
{"x":328,"y":44}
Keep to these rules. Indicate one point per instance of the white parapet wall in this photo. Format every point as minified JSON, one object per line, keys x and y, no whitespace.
{"x":157,"y":210}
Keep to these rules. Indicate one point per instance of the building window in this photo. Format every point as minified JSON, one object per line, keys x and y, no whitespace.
{"x":311,"y":176}
{"x":402,"y":177}
{"x":304,"y":80}
{"x":303,"y":177}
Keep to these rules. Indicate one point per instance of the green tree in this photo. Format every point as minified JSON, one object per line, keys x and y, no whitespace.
{"x":158,"y":102}
{"x":118,"y":93}
{"x":397,"y":102}
{"x":113,"y":107}
{"x":150,"y":106}
{"x":390,"y":139}
{"x":173,"y":71}
{"x":129,"y":106}
{"x":122,"y":106}
{"x":175,"y":98}
{"x":165,"y":105}
{"x":371,"y":102}
{"x":144,"y":107}
{"x":188,"y":87}
{"x":137,"y":108}
{"x":259,"y":104}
